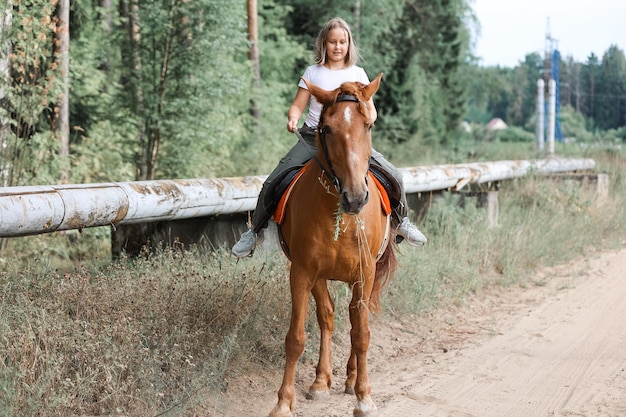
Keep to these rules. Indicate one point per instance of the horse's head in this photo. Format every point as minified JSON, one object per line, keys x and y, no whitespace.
{"x":345,"y":139}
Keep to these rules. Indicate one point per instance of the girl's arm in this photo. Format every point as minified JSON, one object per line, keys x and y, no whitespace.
{"x":297,"y":108}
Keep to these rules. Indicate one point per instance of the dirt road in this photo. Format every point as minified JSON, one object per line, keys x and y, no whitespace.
{"x":557,"y":348}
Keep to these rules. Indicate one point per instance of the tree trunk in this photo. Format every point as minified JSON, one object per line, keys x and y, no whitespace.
{"x":62,"y":111}
{"x":106,"y":6}
{"x":577,"y":87}
{"x":592,"y":93}
{"x":132,"y":13}
{"x":154,"y":139}
{"x":5,"y":128}
{"x":357,"y":21}
{"x":253,"y":56}
{"x":106,"y":16}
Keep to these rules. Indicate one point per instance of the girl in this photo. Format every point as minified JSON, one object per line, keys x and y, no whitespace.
{"x":336,"y":57}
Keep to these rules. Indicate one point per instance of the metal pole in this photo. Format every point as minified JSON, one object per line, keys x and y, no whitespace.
{"x":551,"y":115}
{"x":41,"y":209}
{"x":540,"y":114}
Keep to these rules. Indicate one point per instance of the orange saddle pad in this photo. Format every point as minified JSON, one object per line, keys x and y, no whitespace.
{"x":281,"y":209}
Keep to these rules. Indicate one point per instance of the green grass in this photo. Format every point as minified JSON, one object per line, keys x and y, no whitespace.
{"x":156,"y":335}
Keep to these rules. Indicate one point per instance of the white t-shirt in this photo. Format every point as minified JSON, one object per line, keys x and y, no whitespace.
{"x":328,"y":80}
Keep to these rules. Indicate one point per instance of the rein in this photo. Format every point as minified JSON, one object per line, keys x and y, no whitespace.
{"x":313,"y":155}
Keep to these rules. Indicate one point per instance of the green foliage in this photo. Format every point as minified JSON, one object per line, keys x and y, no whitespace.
{"x":184,"y":96}
{"x":573,"y":125}
{"x":429,"y":43}
{"x":515,"y":134}
{"x":102,"y":140}
{"x":174,"y":100}
{"x":490,"y":93}
{"x":28,"y":152}
{"x":282,"y":63}
{"x":523,"y":89}
{"x":610,"y":108}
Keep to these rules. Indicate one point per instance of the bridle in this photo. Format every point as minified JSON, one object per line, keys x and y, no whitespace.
{"x":330,"y":173}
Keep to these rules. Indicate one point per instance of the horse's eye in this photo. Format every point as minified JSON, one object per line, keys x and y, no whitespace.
{"x":326,"y":130}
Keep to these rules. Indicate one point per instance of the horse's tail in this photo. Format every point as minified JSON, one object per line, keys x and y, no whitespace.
{"x":385,"y":269}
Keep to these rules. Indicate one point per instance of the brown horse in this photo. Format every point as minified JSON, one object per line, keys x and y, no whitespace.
{"x":335,"y":229}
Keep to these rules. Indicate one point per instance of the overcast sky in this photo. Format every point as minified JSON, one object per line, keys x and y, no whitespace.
{"x":510,"y":29}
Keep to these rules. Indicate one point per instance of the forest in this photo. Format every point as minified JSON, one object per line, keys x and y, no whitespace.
{"x":123,"y":90}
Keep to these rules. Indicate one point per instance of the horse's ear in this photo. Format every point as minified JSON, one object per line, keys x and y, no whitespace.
{"x":323,"y":96}
{"x":372,"y":87}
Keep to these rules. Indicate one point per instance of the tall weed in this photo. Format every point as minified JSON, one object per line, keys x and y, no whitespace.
{"x":139,"y":337}
{"x":543,"y":221}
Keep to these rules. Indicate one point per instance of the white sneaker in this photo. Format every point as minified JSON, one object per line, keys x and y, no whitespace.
{"x":246,"y":244}
{"x":410,"y":233}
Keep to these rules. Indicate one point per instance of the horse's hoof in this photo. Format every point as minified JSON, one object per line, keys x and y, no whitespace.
{"x":281,"y":410}
{"x":349,"y":389}
{"x":365,"y":408}
{"x":317,"y":395}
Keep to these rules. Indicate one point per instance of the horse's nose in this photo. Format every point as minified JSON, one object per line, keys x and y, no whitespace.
{"x":354,"y":203}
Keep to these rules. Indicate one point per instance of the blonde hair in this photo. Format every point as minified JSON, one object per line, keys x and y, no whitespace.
{"x":352,"y":57}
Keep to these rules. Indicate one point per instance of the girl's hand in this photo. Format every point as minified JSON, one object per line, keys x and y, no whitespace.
{"x":292,"y":124}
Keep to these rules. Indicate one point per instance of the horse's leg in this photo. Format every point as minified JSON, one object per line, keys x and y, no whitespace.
{"x":351,"y":373}
{"x":360,"y":338}
{"x":325,"y":318}
{"x":294,"y":344}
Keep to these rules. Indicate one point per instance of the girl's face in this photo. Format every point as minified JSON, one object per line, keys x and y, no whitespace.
{"x":337,"y":45}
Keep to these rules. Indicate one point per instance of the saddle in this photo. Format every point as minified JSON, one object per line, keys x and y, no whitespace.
{"x":284,"y":188}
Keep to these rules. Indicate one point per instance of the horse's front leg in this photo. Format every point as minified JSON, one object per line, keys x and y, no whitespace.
{"x":320,"y":389}
{"x":294,"y":344}
{"x":360,"y":338}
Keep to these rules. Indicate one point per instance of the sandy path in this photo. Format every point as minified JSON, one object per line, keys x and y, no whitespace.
{"x":561,"y":355}
{"x":555,"y":349}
